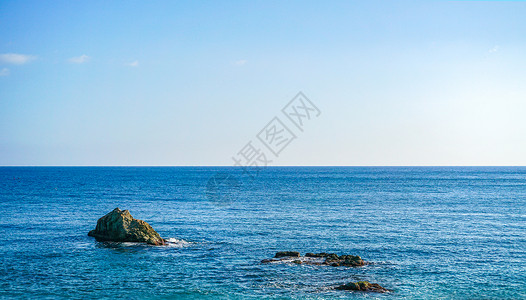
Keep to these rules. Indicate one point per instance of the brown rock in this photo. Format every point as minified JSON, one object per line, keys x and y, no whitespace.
{"x":120,"y":226}
{"x":364,"y":286}
{"x":329,"y":259}
{"x":287,"y":254}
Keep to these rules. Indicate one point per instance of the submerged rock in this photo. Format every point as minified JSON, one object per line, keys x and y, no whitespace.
{"x":364,"y":286}
{"x":330,"y":259}
{"x":120,"y":226}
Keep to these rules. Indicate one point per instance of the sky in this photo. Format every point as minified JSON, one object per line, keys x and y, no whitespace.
{"x":192,"y":83}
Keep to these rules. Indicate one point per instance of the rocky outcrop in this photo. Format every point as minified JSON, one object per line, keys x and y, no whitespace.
{"x":330,"y":259}
{"x":339,"y":260}
{"x":364,"y":286}
{"x":287,"y":254}
{"x":120,"y":226}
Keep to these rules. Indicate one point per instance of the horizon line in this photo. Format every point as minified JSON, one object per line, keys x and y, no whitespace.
{"x":274,"y":166}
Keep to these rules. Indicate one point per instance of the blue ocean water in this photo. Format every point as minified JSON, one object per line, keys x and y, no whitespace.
{"x":441,"y":233}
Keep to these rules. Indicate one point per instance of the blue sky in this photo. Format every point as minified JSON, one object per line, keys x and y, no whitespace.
{"x":190,"y":83}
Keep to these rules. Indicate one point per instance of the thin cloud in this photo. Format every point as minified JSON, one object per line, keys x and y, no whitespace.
{"x":494,"y":49}
{"x":4,"y":72}
{"x":79,"y":59}
{"x":133,"y":64}
{"x":241,"y":62}
{"x":16,"y":59}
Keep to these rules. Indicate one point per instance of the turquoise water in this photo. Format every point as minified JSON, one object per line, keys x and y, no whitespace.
{"x":429,"y":232}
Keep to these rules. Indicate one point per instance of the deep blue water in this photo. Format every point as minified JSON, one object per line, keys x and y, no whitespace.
{"x":430,"y":232}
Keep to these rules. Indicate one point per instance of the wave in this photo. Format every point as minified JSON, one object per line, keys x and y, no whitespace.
{"x":173,"y":242}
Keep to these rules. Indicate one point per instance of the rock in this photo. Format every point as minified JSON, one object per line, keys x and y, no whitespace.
{"x":364,"y":286}
{"x":323,"y":254}
{"x":334,"y":259}
{"x":346,"y":260}
{"x":351,"y":286}
{"x":287,"y":254}
{"x":120,"y":226}
{"x":331,"y":259}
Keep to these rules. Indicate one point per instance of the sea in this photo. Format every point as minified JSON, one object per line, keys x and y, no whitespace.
{"x":428,"y":232}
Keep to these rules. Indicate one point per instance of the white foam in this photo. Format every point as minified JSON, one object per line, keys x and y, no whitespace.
{"x":128,"y":244}
{"x":303,"y":259}
{"x":173,"y":242}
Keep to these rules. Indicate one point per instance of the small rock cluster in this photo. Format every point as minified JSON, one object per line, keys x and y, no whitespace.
{"x":330,"y":259}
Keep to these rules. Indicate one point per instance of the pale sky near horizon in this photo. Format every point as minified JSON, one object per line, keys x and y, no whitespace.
{"x":192,"y":82}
